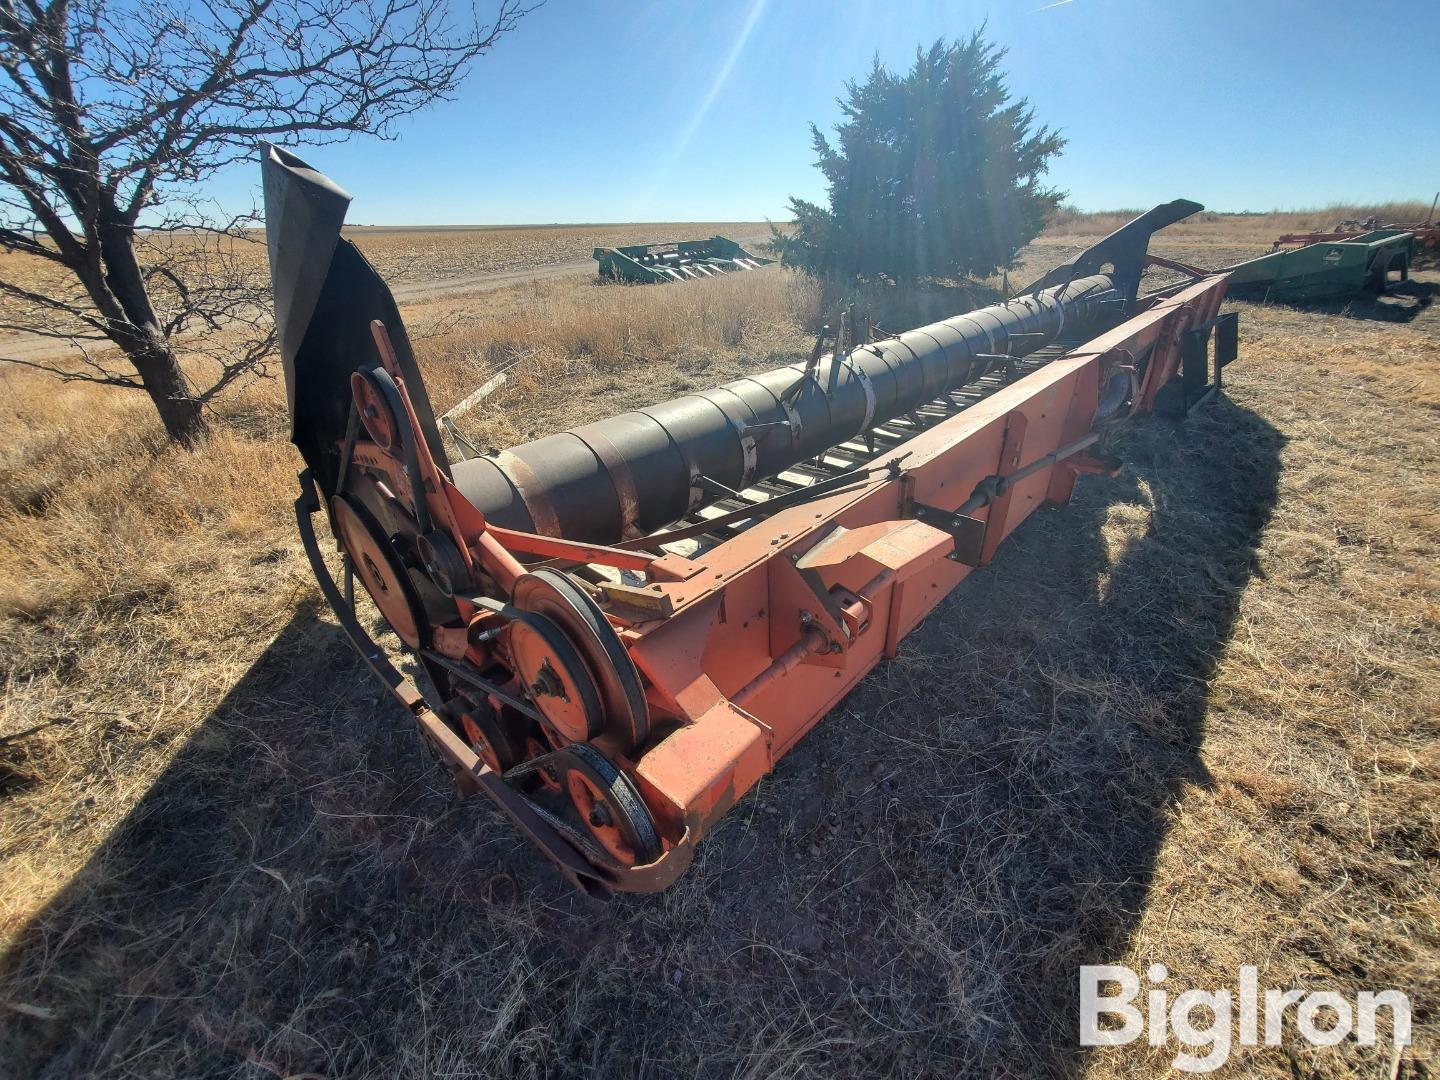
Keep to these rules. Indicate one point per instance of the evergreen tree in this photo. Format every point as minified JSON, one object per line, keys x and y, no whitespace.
{"x":936,"y":174}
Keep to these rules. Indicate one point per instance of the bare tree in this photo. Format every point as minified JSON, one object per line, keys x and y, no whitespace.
{"x":113,"y":111}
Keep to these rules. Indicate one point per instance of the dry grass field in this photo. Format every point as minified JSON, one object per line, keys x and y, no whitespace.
{"x":1192,"y":718}
{"x":419,"y":255}
{"x":412,"y":260}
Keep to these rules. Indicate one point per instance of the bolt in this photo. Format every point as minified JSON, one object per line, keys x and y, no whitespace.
{"x":547,"y":683}
{"x":599,"y":815}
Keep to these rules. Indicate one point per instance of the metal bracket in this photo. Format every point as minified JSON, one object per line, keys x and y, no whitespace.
{"x":967,"y":532}
{"x":1197,"y":382}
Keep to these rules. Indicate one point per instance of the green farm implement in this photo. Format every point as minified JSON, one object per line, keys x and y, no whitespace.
{"x":1329,"y":270}
{"x":650,"y":263}
{"x":1427,"y":233}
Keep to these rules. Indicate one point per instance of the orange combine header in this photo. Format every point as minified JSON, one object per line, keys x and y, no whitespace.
{"x":623,"y":627}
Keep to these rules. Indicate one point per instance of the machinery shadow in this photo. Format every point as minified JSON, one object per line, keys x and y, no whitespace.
{"x":298,"y":834}
{"x":926,"y":871}
{"x":1400,"y":303}
{"x":983,"y":815}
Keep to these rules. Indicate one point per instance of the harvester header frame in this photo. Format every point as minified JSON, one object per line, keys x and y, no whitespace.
{"x":1328,"y":269}
{"x":683,"y":260}
{"x":615,"y":687}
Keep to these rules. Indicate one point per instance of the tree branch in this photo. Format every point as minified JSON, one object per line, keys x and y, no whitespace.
{"x":129,"y":382}
{"x":111,"y":112}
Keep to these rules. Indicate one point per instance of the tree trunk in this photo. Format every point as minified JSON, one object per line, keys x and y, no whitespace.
{"x":179,"y":410}
{"x":144,"y":345}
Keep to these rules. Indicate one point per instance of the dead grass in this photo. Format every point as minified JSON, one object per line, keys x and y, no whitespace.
{"x":611,"y":347}
{"x":1246,"y":227}
{"x":405,"y":255}
{"x":1192,"y":718}
{"x":402,"y":255}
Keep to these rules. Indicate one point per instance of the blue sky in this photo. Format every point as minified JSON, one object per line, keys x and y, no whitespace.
{"x":673,"y":110}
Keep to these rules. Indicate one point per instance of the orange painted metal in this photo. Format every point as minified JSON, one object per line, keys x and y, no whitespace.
{"x":758,"y":637}
{"x":570,"y":551}
{"x":633,"y":687}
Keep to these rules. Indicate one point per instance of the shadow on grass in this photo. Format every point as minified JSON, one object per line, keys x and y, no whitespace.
{"x":911,"y":893}
{"x":1400,"y":303}
{"x":984,"y":814}
{"x":268,"y":881}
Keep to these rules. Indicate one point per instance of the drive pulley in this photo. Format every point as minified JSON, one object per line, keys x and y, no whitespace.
{"x":380,"y":570}
{"x":378,"y":402}
{"x":555,"y":597}
{"x":495,"y":742}
{"x":557,"y":680}
{"x":607,"y":803}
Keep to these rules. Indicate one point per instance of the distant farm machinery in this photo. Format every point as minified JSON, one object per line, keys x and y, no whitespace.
{"x":1426,"y":233}
{"x":1353,"y":257}
{"x":685,"y":260}
{"x":1329,"y":266}
{"x":621,"y":628}
{"x":1327,"y":269}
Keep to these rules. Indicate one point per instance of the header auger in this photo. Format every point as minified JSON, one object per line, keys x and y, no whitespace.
{"x":623,"y":627}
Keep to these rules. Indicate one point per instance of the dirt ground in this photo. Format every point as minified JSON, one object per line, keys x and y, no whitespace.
{"x":1190,"y":718}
